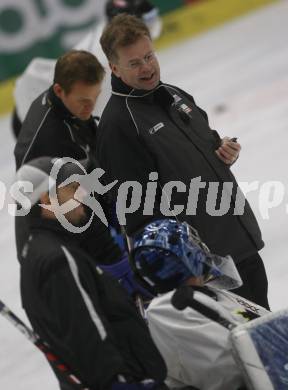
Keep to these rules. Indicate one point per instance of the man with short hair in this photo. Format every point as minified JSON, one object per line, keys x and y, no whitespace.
{"x":157,"y":127}
{"x":88,"y":320}
{"x":59,"y":124}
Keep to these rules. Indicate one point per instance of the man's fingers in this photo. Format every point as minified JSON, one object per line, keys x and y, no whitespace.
{"x":221,"y":157}
{"x":226,"y":158}
{"x":231,"y":146}
{"x":234,"y":146}
{"x":229,"y":142}
{"x":228,"y":152}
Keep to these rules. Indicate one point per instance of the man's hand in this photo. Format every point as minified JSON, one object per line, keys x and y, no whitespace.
{"x":229,"y":151}
{"x":122,"y":272}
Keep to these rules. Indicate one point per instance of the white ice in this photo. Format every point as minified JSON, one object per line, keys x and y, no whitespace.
{"x":239,"y":74}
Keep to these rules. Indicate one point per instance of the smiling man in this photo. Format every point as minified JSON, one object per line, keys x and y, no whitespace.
{"x":141,"y":73}
{"x":148,"y":126}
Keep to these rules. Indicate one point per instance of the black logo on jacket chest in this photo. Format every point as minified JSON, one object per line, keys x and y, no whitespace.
{"x":185,"y":111}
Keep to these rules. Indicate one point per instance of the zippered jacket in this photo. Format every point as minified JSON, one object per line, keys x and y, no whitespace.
{"x":164,"y":131}
{"x":85,"y":316}
{"x":49,"y":129}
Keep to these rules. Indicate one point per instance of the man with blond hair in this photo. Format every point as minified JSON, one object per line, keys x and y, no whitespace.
{"x":156,"y":127}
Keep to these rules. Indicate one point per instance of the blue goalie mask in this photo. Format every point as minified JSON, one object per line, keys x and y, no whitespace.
{"x":167,"y":253}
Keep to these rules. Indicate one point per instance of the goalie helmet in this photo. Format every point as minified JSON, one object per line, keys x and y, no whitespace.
{"x":143,"y":9}
{"x":167,"y":253}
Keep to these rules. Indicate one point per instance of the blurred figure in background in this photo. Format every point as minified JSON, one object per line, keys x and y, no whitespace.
{"x":38,"y":75}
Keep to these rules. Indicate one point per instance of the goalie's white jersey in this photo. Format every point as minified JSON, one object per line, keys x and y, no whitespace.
{"x":198,"y":351}
{"x":38,"y":76}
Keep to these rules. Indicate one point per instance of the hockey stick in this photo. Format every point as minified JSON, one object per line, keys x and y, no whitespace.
{"x":184,"y":297}
{"x":59,"y":366}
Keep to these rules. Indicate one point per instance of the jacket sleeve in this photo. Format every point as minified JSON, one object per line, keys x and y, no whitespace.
{"x":96,"y":327}
{"x":80,"y":333}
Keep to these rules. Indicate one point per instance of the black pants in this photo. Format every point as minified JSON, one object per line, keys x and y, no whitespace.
{"x":255,"y":283}
{"x":65,"y":386}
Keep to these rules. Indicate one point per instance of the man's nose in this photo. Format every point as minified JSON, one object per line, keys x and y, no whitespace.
{"x":81,"y":194}
{"x":90,"y":105}
{"x":146,"y":66}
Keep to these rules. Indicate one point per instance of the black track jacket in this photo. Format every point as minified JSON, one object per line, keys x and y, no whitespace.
{"x":85,"y":316}
{"x":164,"y":131}
{"x":49,"y":129}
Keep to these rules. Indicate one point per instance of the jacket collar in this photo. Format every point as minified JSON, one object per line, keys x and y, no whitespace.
{"x":63,"y":112}
{"x":160,"y":93}
{"x":119,"y":87}
{"x":58,"y":105}
{"x":38,"y":224}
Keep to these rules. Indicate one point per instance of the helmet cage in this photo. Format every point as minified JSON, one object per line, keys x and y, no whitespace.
{"x":167,"y":253}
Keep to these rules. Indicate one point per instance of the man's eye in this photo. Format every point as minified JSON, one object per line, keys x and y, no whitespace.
{"x":134,"y":64}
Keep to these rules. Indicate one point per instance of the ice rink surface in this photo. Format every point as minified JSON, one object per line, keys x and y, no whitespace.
{"x":239,"y":74}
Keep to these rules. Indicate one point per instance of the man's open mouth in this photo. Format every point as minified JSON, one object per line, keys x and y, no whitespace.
{"x":147,"y":78}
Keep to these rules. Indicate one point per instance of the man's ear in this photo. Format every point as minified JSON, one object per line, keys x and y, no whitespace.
{"x":44,"y":198}
{"x":58,"y":90}
{"x":45,"y":201}
{"x":114,"y":69}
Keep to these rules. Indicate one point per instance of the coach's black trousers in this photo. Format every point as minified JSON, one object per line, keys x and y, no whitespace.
{"x":255,"y":283}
